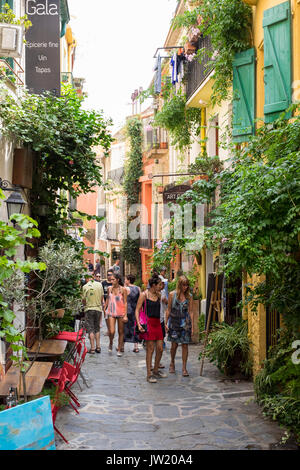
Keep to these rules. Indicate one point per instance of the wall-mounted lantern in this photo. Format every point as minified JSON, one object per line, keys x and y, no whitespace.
{"x":15,"y":202}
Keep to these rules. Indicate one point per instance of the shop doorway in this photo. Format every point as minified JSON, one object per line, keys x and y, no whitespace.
{"x":233,"y":295}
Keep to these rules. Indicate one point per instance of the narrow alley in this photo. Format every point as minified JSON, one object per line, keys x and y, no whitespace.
{"x":120,"y":410}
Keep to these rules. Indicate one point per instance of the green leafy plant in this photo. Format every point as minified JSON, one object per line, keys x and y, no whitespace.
{"x":229,"y":348}
{"x":277,"y":385}
{"x":63,"y":137}
{"x":7,"y":16}
{"x":183,"y":124}
{"x":131,"y":185}
{"x":228,"y":24}
{"x":206,"y":165}
{"x":57,"y":287}
{"x":12,"y":271}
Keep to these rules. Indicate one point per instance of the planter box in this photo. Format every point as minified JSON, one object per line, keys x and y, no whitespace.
{"x":163,"y":145}
{"x":189,"y":48}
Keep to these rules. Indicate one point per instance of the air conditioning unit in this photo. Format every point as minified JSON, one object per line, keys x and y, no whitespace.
{"x":11,"y":40}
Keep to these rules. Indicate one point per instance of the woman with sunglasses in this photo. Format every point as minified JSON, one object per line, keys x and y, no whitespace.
{"x":150,"y":300}
{"x":179,"y":322}
{"x":116,"y":312}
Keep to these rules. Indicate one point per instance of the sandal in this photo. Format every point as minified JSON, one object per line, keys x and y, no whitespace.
{"x":136,"y":350}
{"x":172,"y":369}
{"x":98,"y":350}
{"x":91,"y":351}
{"x":160,"y":367}
{"x":185,"y":373}
{"x":151,"y":379}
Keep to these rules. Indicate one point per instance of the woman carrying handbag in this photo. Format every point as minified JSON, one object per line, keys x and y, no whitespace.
{"x":149,"y":305}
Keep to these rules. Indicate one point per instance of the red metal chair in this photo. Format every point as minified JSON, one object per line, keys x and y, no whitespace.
{"x":71,"y":336}
{"x":73,"y":372}
{"x":54,"y":404}
{"x":81,"y":351}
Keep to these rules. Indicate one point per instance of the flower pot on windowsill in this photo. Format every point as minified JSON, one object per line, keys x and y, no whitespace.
{"x":189,"y":48}
{"x":59,"y":313}
{"x":163,"y":145}
{"x":199,"y":177}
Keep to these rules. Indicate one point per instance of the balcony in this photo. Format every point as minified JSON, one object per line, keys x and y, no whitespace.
{"x":155,"y":141}
{"x":146,"y":236}
{"x":198,"y":72}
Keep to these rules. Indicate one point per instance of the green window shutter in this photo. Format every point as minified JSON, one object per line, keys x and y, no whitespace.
{"x":278,"y":63}
{"x":9,"y":60}
{"x":10,"y":3}
{"x":243,"y":95}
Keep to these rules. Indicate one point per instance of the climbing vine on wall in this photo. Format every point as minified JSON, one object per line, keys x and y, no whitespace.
{"x":228,"y":24}
{"x":131,"y":185}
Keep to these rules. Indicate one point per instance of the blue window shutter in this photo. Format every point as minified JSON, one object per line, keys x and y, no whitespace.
{"x":244,"y":95}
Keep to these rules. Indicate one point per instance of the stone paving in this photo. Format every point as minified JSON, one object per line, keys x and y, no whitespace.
{"x":122,"y":411}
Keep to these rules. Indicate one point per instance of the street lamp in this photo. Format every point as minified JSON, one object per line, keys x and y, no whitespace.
{"x":15,"y":202}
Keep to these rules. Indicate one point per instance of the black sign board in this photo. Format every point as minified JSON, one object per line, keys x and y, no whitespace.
{"x":43,"y":46}
{"x":172,"y":194}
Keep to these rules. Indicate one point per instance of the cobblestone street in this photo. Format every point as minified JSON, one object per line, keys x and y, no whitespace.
{"x":121,"y":411}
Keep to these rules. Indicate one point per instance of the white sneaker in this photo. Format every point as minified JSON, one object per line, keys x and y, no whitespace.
{"x":119,"y":354}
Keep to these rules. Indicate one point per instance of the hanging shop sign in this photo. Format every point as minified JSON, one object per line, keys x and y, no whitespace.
{"x":43,"y":47}
{"x":172,"y":194}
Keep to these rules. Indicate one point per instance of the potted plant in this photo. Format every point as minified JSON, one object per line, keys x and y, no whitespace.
{"x":163,"y":145}
{"x":189,"y":48}
{"x":193,"y":34}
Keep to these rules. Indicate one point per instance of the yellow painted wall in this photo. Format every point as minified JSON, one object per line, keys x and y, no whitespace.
{"x":257,"y":321}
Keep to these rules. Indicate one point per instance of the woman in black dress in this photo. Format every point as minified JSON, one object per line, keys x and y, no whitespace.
{"x":133,"y":293}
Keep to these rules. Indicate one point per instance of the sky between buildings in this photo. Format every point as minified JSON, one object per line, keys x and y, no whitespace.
{"x":117,"y":40}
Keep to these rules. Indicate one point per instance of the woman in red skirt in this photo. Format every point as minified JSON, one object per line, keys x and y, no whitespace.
{"x":154,"y":337}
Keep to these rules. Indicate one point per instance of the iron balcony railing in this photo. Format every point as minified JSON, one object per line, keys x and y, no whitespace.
{"x":146,"y":236}
{"x":155,"y":138}
{"x":197,"y":72}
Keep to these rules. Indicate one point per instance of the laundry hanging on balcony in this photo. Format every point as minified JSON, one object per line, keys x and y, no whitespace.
{"x":173,"y":64}
{"x":180,"y":64}
{"x":157,"y":78}
{"x":176,"y":64}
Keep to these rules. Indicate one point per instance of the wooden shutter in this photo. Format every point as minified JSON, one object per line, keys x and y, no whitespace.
{"x":277,"y":57}
{"x":243,"y":95}
{"x":9,"y":60}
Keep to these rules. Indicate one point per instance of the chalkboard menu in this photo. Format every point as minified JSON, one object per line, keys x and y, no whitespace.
{"x":43,"y":47}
